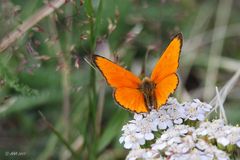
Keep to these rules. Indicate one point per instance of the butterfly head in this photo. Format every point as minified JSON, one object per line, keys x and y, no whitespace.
{"x":147,"y":86}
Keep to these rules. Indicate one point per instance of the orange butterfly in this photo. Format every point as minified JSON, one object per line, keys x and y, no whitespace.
{"x":150,"y":93}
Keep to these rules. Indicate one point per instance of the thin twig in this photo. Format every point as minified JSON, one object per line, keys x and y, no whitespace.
{"x":100,"y":107}
{"x":227,"y":88}
{"x":225,"y":91}
{"x":222,"y":113}
{"x":66,"y":94}
{"x":77,"y":146}
{"x":89,"y":63}
{"x":30,"y":22}
{"x":50,"y":126}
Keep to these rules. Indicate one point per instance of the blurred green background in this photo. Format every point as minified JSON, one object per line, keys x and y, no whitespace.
{"x":48,"y":70}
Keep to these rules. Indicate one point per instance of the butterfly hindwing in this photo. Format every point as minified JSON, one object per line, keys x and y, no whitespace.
{"x":165,"y":88}
{"x":131,"y":99}
{"x":125,"y":84}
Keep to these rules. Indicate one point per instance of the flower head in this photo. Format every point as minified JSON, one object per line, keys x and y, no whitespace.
{"x":175,"y":111}
{"x":196,"y":110}
{"x":165,"y":133}
{"x":143,"y":154}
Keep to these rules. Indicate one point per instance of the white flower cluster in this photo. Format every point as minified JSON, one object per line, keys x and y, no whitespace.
{"x":170,"y":133}
{"x":137,"y":131}
{"x":223,"y":134}
{"x":182,"y":142}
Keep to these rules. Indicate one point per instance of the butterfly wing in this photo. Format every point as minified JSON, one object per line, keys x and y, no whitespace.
{"x":125,"y":84}
{"x":115,"y":75}
{"x":165,"y":88}
{"x":131,"y":99}
{"x":164,"y":73}
{"x":168,"y":63}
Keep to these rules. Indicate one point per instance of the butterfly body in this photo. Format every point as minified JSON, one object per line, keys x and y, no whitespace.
{"x":147,"y":87}
{"x":152,"y":92}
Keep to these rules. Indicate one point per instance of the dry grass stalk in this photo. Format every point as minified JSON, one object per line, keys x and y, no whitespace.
{"x":29,"y":23}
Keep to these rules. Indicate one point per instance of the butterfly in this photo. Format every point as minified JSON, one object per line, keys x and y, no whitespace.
{"x":141,"y":96}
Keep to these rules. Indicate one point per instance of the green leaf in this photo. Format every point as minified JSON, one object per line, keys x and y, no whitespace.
{"x":88,"y":7}
{"x":20,"y":103}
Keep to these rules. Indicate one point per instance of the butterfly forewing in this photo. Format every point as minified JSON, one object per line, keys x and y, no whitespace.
{"x":168,"y":63}
{"x":115,"y":75}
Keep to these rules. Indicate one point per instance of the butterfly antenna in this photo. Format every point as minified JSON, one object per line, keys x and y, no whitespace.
{"x":116,"y":57}
{"x":89,"y":63}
